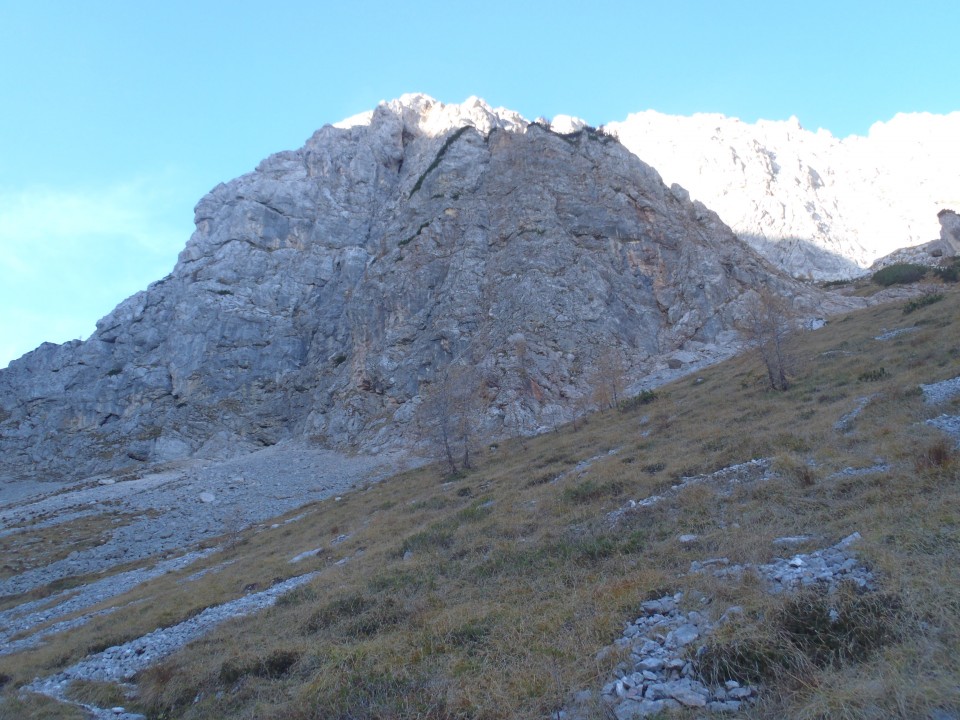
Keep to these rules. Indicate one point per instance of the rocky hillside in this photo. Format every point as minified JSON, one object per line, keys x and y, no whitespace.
{"x":324,"y":294}
{"x":814,"y":204}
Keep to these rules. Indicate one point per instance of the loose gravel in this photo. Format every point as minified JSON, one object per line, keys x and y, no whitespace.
{"x":940,"y":392}
{"x":121,"y":662}
{"x":175,"y":509}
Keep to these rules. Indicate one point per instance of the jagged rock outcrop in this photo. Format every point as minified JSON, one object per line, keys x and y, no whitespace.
{"x":815,"y":205}
{"x":949,"y":231}
{"x":322,"y":294}
{"x":929,"y":253}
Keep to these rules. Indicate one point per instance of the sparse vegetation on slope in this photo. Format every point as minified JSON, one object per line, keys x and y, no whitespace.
{"x":900,"y":274}
{"x":490,"y":595}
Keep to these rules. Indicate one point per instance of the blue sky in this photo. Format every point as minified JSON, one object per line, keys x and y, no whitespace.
{"x":118,"y":116}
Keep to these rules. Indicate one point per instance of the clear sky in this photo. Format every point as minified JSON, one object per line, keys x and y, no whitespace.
{"x":117,"y":116}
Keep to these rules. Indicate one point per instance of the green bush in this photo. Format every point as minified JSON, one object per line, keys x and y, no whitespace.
{"x":872,"y":375}
{"x":900,"y":274}
{"x":921,"y":301}
{"x":644,"y":398}
{"x":950,"y":273}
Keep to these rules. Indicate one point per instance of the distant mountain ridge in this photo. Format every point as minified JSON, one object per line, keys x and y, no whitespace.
{"x":323,"y":296}
{"x":817,"y":206}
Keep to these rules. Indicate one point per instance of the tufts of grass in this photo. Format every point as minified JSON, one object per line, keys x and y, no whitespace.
{"x":937,"y":455}
{"x":100,"y":694}
{"x":343,"y":607}
{"x":795,"y":470}
{"x":802,"y":633}
{"x":275,"y":664}
{"x":590,"y":491}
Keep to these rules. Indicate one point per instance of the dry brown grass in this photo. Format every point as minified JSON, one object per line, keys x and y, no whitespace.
{"x":488,"y":596}
{"x":27,"y":548}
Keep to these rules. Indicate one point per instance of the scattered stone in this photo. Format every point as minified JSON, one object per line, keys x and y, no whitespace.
{"x":207,"y":497}
{"x":688,"y":538}
{"x":890,"y":334}
{"x":878,"y":467}
{"x":793,"y":540}
{"x":122,"y":662}
{"x":305,"y":554}
{"x":845,"y":423}
{"x":936,"y":393}
{"x":728,"y":477}
{"x":689,"y":697}
{"x":950,"y":424}
{"x":685,"y":634}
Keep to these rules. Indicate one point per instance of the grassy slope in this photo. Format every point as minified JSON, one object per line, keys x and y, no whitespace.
{"x":489,"y":596}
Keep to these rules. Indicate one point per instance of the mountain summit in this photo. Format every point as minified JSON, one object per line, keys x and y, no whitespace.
{"x":325,"y":294}
{"x":815,"y":205}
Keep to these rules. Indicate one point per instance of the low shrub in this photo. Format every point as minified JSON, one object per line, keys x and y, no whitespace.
{"x":844,"y":627}
{"x":922,"y":301}
{"x":644,"y":398}
{"x":900,"y":274}
{"x":872,"y":375}
{"x":793,"y":468}
{"x":950,"y":273}
{"x":382,"y":616}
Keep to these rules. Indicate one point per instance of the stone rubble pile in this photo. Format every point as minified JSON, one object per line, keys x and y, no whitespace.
{"x":661,"y":673}
{"x":830,"y":565}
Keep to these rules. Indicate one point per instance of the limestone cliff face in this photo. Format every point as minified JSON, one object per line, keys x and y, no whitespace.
{"x":323,"y":293}
{"x":815,"y":205}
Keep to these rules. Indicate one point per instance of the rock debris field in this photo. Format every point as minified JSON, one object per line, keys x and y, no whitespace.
{"x":165,"y":514}
{"x":664,"y":644}
{"x":175,"y":508}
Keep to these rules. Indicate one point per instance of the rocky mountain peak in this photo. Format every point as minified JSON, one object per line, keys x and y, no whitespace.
{"x":325,"y":295}
{"x":818,"y":206}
